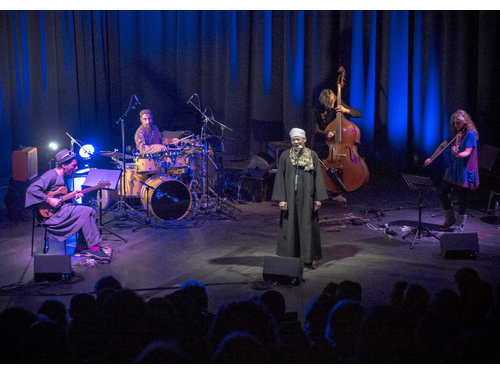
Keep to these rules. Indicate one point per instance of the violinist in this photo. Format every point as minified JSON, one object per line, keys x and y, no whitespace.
{"x":462,"y":172}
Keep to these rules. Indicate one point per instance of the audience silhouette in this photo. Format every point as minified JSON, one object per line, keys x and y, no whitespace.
{"x":120,"y":326}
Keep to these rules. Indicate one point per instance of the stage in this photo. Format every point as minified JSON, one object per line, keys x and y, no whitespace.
{"x":225,"y":250}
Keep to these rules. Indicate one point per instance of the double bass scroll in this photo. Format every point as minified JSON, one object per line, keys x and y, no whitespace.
{"x":343,"y":170}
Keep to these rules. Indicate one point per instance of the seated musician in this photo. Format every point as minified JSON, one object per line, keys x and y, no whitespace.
{"x":71,"y":218}
{"x":148,"y":139}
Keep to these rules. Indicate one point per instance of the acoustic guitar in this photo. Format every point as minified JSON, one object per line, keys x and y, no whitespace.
{"x":46,"y":210}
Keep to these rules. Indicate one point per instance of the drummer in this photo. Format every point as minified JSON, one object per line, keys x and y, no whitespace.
{"x":148,"y":139}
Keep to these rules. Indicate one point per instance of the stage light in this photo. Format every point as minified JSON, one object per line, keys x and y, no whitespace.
{"x":86,"y":151}
{"x":53,"y":146}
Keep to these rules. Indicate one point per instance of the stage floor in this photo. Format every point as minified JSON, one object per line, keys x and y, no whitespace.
{"x":226,"y":252}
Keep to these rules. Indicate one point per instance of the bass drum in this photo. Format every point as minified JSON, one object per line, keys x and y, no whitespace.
{"x":169,"y":199}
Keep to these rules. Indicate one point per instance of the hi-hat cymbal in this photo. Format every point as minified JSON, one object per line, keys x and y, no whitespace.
{"x":115,"y":154}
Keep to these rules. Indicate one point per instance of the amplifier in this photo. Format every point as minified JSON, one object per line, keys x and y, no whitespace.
{"x":459,"y":245}
{"x":282,"y":270}
{"x":52,"y":267}
{"x":24,"y":164}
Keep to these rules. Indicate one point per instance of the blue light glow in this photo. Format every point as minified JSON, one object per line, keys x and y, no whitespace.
{"x":267,"y":46}
{"x":296,"y":60}
{"x":362,"y":90}
{"x":397,"y":111}
{"x":417,"y":80}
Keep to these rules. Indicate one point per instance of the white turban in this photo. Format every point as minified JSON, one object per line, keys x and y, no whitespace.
{"x":297,"y":132}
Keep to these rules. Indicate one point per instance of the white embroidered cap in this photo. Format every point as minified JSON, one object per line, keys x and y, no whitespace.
{"x":297,"y":132}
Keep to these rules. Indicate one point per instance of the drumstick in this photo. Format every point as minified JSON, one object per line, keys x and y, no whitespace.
{"x":180,"y":140}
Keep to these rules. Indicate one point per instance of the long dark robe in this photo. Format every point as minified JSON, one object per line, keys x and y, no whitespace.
{"x":299,"y":231}
{"x":70,"y":218}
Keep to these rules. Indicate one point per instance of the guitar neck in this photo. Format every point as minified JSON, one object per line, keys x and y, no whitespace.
{"x":73,"y":193}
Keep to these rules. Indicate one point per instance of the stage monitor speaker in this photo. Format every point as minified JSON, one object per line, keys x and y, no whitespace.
{"x":282,"y":270}
{"x":260,"y":165}
{"x":24,"y":164}
{"x":459,"y":245}
{"x":52,"y":267}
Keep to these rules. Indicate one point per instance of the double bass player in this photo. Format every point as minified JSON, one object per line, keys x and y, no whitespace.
{"x":324,"y":113}
{"x":336,"y":140}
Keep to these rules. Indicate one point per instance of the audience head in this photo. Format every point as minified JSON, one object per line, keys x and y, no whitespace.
{"x":275,"y":303}
{"x":348,"y":290}
{"x":198,"y":292}
{"x":240,"y":348}
{"x":331,"y":289}
{"x":82,"y":307}
{"x":162,"y":352}
{"x":55,"y":310}
{"x":106,"y":282}
{"x":14,"y":323}
{"x":316,"y":315}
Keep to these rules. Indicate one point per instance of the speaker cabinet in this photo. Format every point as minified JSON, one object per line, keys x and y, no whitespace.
{"x":52,"y":267}
{"x":260,"y":165}
{"x":459,"y":245}
{"x":275,"y":149}
{"x":282,"y":270}
{"x":255,"y":189}
{"x":24,"y":164}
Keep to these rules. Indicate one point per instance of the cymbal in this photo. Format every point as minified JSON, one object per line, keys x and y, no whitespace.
{"x":199,"y":139}
{"x":115,"y":154}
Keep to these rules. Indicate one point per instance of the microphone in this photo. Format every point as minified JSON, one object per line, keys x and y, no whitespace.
{"x":137,"y":99}
{"x":190,"y":98}
{"x":300,"y":149}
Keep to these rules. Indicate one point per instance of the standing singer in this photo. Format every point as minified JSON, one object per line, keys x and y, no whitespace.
{"x":462,"y":172}
{"x":300,"y":188}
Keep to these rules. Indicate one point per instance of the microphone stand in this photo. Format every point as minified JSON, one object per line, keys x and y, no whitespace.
{"x":73,"y":141}
{"x":148,"y":221}
{"x":121,"y":205}
{"x":220,"y":169}
{"x":297,"y":172}
{"x":205,"y":202}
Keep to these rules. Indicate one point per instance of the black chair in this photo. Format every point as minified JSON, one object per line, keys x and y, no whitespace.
{"x":39,"y":221}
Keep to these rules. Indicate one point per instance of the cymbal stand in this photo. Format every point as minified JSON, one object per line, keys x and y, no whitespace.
{"x":205,"y":199}
{"x":121,"y":205}
{"x":221,"y":191}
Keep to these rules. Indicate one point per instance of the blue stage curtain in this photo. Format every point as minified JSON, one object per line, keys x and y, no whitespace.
{"x":407,"y":71}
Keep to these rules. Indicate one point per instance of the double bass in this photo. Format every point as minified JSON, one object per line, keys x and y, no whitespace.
{"x":343,"y":170}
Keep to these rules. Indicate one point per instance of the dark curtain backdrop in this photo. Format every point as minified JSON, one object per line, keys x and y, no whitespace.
{"x":258,"y":72}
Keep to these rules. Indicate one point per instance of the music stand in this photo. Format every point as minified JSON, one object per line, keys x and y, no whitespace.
{"x":419,"y":183}
{"x":94,"y":177}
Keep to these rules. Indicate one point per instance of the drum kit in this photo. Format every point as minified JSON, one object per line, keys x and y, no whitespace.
{"x":182,"y":182}
{"x":169,"y":185}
